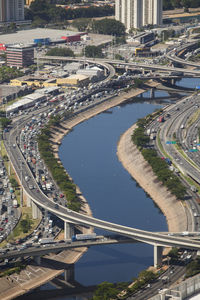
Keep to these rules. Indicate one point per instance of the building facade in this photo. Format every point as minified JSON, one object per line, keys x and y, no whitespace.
{"x":11,"y":10}
{"x":19,"y":56}
{"x":138,"y":13}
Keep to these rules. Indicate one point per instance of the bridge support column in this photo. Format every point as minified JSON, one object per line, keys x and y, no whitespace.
{"x":143,"y":71}
{"x":37,"y":259}
{"x":152,"y":93}
{"x":172,"y":81}
{"x":69,"y":273}
{"x":105,"y":72}
{"x":36,"y":213}
{"x":28,"y":201}
{"x":68,"y":230}
{"x":157,"y":255}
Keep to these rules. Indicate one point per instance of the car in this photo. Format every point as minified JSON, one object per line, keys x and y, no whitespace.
{"x":61,"y":196}
{"x":1,"y":229}
{"x":56,"y":206}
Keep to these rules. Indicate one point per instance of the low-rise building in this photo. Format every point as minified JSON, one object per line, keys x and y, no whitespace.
{"x":74,"y":80}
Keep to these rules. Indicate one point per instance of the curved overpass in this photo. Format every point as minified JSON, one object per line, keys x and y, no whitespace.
{"x":104,"y":64}
{"x":180,"y":60}
{"x":67,"y":215}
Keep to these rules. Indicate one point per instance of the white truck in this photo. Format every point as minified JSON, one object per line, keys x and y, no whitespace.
{"x":43,"y":241}
{"x":15,"y":203}
{"x":81,"y":237}
{"x":48,"y":186}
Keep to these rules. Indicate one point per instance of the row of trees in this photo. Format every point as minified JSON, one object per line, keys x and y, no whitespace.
{"x":159,"y":166}
{"x":172,"y":4}
{"x":57,"y":170}
{"x":107,"y":290}
{"x":48,"y":12}
{"x":104,"y":26}
{"x":60,"y":52}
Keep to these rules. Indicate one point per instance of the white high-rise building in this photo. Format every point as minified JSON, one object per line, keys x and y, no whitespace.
{"x":11,"y":10}
{"x":138,"y":13}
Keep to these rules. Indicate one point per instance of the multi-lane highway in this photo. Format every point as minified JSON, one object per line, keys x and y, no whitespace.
{"x":19,"y":163}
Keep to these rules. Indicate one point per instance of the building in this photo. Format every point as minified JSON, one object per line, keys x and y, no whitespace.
{"x":11,"y":10}
{"x":138,"y":13}
{"x":20,"y":56}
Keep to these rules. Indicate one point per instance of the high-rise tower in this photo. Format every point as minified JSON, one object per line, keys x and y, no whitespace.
{"x":11,"y":10}
{"x":138,"y":13}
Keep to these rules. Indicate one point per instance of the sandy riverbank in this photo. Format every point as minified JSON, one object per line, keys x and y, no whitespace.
{"x":139,"y":169}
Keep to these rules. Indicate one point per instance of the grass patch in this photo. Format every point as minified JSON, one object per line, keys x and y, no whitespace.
{"x":193,"y":118}
{"x":18,"y":233}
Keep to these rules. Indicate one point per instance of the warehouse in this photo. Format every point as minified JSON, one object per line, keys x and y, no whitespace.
{"x":25,"y":102}
{"x":74,"y":80}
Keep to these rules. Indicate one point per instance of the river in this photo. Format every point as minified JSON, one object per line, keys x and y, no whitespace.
{"x":89,"y":155}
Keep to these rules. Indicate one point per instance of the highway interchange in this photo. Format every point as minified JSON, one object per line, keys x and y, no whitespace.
{"x":178,"y":115}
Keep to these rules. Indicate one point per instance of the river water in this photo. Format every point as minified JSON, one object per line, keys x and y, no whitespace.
{"x":89,"y":155}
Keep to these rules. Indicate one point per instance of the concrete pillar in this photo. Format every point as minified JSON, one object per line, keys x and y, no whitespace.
{"x":152,"y":93}
{"x":143,"y":71}
{"x":69,"y":273}
{"x":105,"y":72}
{"x":36,"y":213}
{"x":172,"y":81}
{"x":37,"y":259}
{"x":68,"y":230}
{"x":157,"y":255}
{"x":28,"y":201}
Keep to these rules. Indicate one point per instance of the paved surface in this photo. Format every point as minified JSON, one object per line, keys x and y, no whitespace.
{"x":34,"y":275}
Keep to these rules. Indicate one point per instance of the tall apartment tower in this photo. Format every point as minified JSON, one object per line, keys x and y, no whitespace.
{"x":11,"y":10}
{"x":138,"y":13}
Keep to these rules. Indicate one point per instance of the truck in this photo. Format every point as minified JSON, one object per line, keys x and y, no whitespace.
{"x":161,"y":119}
{"x":15,"y":203}
{"x":148,"y":131}
{"x":81,"y":237}
{"x":43,"y":241}
{"x":152,"y":136}
{"x":48,"y":186}
{"x":5,"y":183}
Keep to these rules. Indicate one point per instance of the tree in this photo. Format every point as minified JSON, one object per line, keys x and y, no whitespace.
{"x":5,"y":122}
{"x":109,"y":26}
{"x":105,"y":291}
{"x":81,"y":24}
{"x":93,"y":51}
{"x":60,"y":52}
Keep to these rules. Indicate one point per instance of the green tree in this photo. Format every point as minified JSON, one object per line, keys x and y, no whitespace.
{"x":60,"y":52}
{"x":105,"y":291}
{"x":109,"y":26}
{"x":93,"y":51}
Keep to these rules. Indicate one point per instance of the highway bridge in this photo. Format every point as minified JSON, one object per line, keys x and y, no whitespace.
{"x":108,"y":64}
{"x":38,"y":199}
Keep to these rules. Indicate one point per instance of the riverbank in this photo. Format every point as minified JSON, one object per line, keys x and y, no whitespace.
{"x":133,"y":161}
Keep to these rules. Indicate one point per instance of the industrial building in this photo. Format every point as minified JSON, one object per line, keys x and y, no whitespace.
{"x":11,"y":11}
{"x":73,"y":81}
{"x":25,"y":102}
{"x":93,"y":73}
{"x":138,"y":13}
{"x":19,"y":56}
